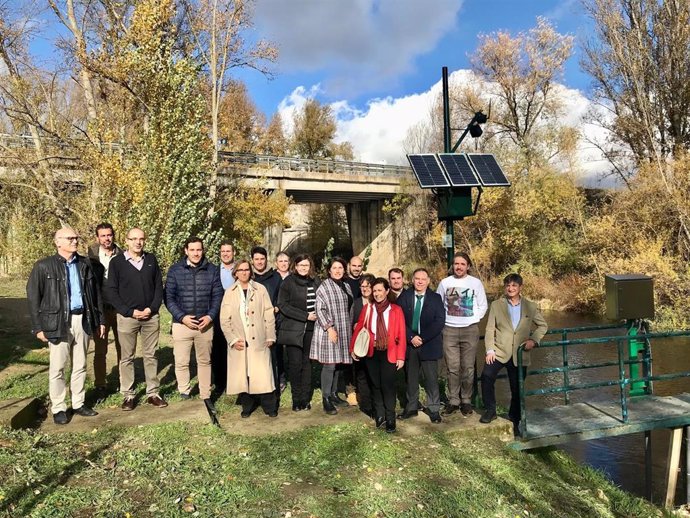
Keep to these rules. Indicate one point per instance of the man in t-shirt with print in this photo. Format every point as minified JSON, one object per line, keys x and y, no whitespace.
{"x":464,"y":299}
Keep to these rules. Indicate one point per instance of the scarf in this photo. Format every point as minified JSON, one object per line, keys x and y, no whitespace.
{"x":381,"y":343}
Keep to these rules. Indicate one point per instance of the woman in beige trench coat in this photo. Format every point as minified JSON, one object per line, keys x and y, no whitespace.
{"x":248,"y":323}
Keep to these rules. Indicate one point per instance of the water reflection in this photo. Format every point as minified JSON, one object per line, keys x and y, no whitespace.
{"x":620,"y":458}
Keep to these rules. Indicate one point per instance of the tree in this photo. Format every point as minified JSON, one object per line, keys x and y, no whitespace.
{"x":314,"y":130}
{"x":273,"y":141}
{"x":239,"y":121}
{"x":521,"y":73}
{"x":639,"y":59}
{"x":217,"y":29}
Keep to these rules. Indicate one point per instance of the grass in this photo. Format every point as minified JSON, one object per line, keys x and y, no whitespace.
{"x":339,"y":471}
{"x":185,"y":469}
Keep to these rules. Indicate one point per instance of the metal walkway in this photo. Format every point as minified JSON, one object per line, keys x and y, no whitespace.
{"x":584,"y":421}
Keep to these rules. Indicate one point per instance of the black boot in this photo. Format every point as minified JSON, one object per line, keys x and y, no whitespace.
{"x":328,"y":407}
{"x":337,"y":400}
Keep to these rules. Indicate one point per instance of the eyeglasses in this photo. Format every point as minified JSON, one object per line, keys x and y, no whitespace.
{"x":243,"y":270}
{"x":70,"y":238}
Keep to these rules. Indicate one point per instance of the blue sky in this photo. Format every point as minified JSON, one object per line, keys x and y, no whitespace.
{"x":358,"y":50}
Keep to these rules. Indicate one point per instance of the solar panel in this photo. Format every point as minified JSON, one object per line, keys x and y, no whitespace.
{"x":488,"y":170}
{"x":428,"y":171}
{"x":458,"y":170}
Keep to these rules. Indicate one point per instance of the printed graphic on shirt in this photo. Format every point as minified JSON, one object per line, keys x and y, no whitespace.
{"x":460,"y":302}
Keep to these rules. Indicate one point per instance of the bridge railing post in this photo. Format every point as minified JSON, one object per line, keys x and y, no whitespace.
{"x":622,"y":381}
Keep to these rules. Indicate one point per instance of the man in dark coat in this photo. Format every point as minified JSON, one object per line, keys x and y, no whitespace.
{"x":424,"y":321}
{"x":193,"y":293}
{"x":65,"y":308}
{"x":271,"y":280}
{"x":100,"y":254}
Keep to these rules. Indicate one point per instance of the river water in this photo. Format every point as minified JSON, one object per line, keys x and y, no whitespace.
{"x":620,"y":458}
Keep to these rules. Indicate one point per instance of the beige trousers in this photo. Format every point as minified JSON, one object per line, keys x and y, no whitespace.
{"x":127,"y":330}
{"x":100,"y":347}
{"x":183,"y":341}
{"x":74,"y":347}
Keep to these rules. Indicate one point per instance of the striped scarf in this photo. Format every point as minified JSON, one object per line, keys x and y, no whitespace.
{"x":381,"y":343}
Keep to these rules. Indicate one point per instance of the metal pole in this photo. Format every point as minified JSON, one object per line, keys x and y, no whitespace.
{"x":621,"y":382}
{"x":566,"y":373}
{"x":648,"y":465}
{"x":450,"y":233}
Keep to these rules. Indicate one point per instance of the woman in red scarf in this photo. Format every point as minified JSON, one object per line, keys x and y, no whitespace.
{"x":387,"y":347}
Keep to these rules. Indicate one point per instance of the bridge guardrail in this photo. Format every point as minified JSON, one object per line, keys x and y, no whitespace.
{"x":315,"y":165}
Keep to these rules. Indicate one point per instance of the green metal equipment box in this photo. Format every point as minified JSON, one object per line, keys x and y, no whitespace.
{"x":629,"y":297}
{"x":455,"y":203}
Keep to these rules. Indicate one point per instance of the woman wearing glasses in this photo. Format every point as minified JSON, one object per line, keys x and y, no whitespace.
{"x":248,"y":323}
{"x":297,"y":304}
{"x":387,"y":350}
{"x":332,"y":332}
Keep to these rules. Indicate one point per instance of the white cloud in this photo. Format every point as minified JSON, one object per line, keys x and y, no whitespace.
{"x":377,"y":132}
{"x":362,"y":44}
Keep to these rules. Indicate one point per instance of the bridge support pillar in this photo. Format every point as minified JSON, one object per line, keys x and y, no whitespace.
{"x":273,"y":236}
{"x":371,"y":227}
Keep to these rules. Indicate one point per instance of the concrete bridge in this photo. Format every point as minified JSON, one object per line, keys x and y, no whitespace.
{"x":361,"y":187}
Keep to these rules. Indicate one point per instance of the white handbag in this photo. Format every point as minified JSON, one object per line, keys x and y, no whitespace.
{"x":363,"y":338}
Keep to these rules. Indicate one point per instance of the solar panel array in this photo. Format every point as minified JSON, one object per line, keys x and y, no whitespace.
{"x":428,"y":171}
{"x":488,"y":170}
{"x":457,"y":170}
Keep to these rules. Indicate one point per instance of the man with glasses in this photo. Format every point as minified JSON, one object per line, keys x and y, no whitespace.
{"x":65,"y":308}
{"x":135,"y":289}
{"x":100,"y":254}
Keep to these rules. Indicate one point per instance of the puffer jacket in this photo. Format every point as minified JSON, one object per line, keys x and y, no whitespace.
{"x":193,"y":291}
{"x":46,"y":290}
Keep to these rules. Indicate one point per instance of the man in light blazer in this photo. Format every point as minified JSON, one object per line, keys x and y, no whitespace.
{"x":510,"y":324}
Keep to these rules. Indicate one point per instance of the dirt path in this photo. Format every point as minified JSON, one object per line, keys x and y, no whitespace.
{"x":259,"y":424}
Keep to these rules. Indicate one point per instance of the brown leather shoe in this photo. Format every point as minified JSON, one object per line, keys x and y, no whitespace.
{"x":156,"y":401}
{"x":128,"y":404}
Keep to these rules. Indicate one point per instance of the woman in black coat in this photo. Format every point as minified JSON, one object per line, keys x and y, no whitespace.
{"x":296,"y":302}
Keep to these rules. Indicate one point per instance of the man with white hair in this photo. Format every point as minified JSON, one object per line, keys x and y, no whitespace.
{"x":66,"y":309}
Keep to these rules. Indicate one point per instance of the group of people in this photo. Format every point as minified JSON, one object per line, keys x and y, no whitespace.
{"x":243,"y":317}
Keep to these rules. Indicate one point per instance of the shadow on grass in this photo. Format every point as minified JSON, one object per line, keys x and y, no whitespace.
{"x":21,"y":501}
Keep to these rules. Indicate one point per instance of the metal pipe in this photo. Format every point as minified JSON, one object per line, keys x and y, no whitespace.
{"x":622,"y":382}
{"x":566,"y":369}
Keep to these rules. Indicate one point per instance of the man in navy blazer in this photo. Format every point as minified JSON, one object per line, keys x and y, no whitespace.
{"x":424,"y":343}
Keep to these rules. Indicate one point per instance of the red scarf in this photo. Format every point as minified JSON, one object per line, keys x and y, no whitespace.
{"x":381,"y":343}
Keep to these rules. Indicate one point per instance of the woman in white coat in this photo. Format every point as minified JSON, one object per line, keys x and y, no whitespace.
{"x":248,"y":322}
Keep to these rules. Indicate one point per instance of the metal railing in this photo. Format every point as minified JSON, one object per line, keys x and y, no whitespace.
{"x":622,"y":381}
{"x":315,"y":165}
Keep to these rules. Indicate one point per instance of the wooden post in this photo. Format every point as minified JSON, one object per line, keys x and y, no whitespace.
{"x":648,"y":464}
{"x":687,"y":464}
{"x":673,"y":465}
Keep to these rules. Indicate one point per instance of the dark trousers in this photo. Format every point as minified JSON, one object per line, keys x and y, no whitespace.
{"x":251,"y":401}
{"x":488,"y":378}
{"x":382,"y":376}
{"x":299,"y":369}
{"x":277,"y":365}
{"x":219,"y":359}
{"x":363,"y":387}
{"x":429,"y":368}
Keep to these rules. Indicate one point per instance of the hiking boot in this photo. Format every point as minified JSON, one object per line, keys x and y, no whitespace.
{"x":450,"y":409}
{"x":465,"y":409}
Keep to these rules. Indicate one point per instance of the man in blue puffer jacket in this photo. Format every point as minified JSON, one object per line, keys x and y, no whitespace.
{"x":193,"y":293}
